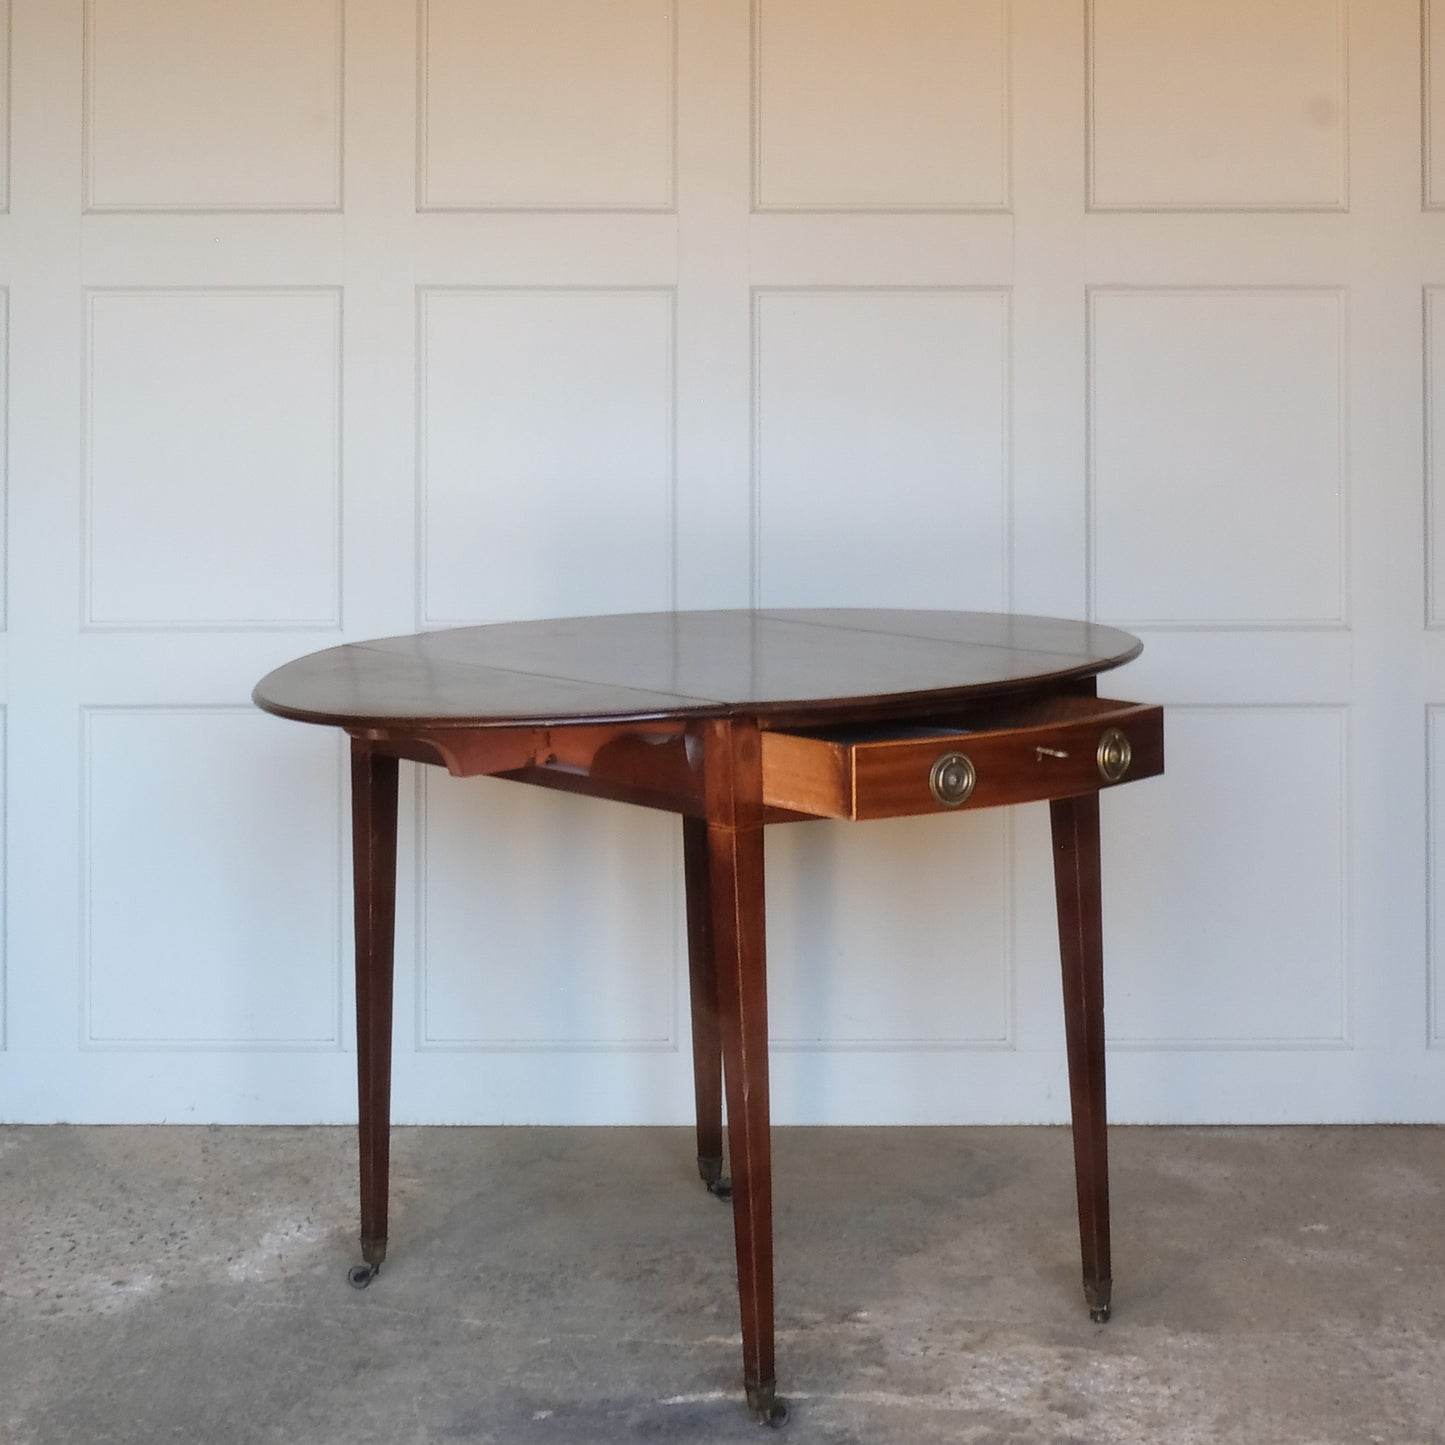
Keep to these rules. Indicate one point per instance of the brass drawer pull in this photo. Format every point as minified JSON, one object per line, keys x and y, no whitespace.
{"x":952,"y":779}
{"x":1114,"y":755}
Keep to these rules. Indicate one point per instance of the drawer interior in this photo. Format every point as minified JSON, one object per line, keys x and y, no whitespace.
{"x":988,"y":718}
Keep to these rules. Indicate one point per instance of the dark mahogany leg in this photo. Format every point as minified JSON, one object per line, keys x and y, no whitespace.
{"x":733,"y":773}
{"x":702,"y":976}
{"x":1081,"y":949}
{"x":373,"y":841}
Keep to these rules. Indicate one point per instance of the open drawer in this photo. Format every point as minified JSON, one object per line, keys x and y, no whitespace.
{"x":1057,"y":747}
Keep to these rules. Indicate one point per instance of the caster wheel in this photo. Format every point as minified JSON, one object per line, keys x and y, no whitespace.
{"x":775,"y":1416}
{"x":721,"y":1189}
{"x":768,"y":1407}
{"x":1100,"y":1314}
{"x":361,"y":1275}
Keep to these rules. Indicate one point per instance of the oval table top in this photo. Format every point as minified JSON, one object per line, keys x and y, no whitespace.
{"x":800,"y":664}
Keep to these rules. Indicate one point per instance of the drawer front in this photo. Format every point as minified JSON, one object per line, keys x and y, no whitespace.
{"x":1056,"y":749}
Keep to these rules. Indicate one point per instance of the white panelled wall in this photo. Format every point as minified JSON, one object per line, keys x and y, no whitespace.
{"x":330,"y":319}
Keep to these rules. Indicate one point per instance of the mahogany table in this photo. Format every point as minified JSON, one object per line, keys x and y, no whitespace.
{"x":736,"y":720}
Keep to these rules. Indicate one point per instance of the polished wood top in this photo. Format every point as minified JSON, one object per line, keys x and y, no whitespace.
{"x":807,"y":666}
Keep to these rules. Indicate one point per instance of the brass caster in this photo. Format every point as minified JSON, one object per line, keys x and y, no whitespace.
{"x":710,"y":1171}
{"x":361,"y":1275}
{"x":776,"y":1416}
{"x":767,"y":1407}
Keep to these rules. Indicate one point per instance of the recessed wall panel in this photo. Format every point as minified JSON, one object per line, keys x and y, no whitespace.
{"x":882,"y":448}
{"x":1217,"y":105}
{"x":1433,"y":90}
{"x":546,"y":105}
{"x":212,"y":882}
{"x":4,"y":105}
{"x":213,"y":458}
{"x":547,"y":921}
{"x":861,"y":106}
{"x":891,"y":934}
{"x":1217,"y":457}
{"x":547,"y":452}
{"x":1225,"y":891}
{"x":1435,"y":762}
{"x":1435,"y":446}
{"x":4,"y":455}
{"x":4,"y":877}
{"x":218,"y":106}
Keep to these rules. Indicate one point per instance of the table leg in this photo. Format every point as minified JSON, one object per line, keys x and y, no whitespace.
{"x":373,"y":841}
{"x":1081,"y":949}
{"x":702,"y":977}
{"x":733,"y":773}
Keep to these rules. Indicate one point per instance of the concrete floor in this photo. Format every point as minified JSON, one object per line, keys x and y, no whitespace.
{"x":177,"y":1284}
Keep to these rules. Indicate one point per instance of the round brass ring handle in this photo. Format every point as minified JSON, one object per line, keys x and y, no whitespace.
{"x":952,"y":779}
{"x":1114,"y":755}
